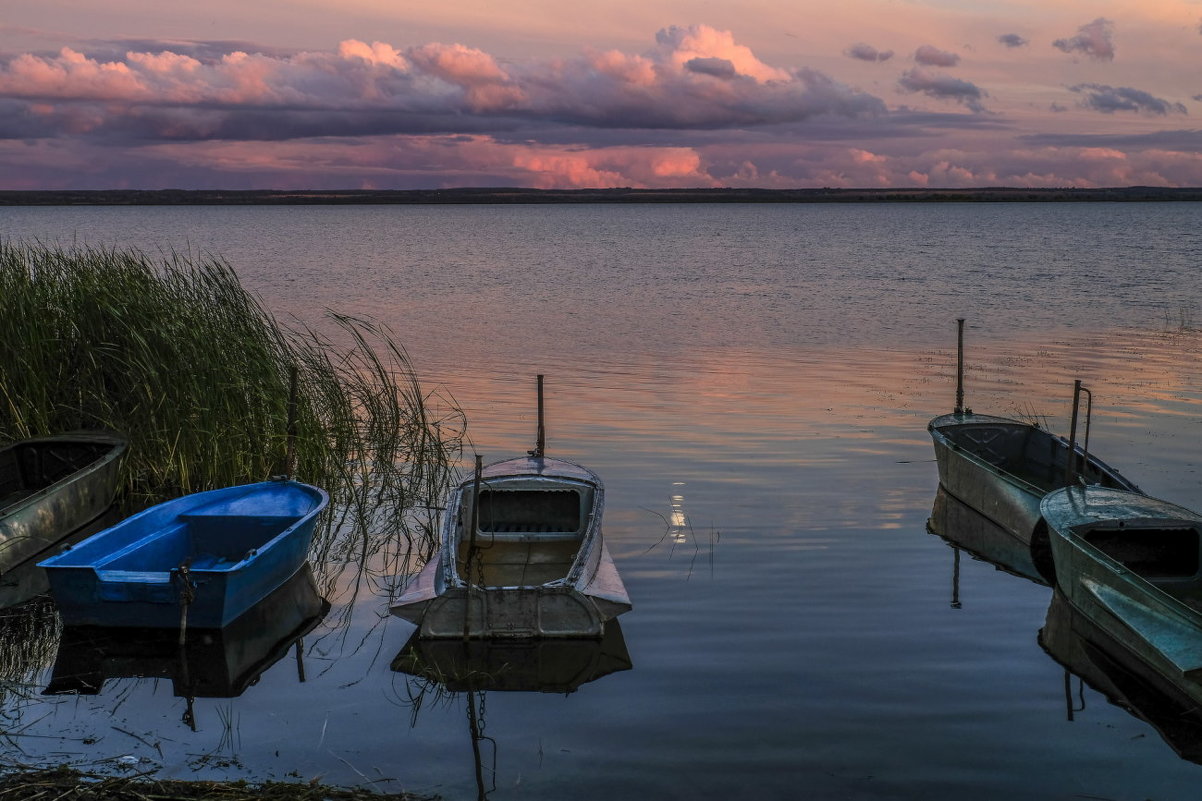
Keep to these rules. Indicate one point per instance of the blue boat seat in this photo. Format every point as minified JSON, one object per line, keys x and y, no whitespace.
{"x":154,"y":586}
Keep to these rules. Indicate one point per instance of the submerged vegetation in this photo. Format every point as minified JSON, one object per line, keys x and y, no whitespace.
{"x":211,"y":390}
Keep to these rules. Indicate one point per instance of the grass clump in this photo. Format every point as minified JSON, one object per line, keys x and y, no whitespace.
{"x":174,"y":353}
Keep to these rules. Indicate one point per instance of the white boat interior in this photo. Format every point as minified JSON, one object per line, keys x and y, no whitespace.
{"x":529,"y":533}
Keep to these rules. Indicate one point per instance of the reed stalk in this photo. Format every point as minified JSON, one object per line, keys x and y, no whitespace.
{"x":173,"y":352}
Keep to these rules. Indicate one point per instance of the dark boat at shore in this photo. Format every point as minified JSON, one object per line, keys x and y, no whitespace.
{"x":52,"y":488}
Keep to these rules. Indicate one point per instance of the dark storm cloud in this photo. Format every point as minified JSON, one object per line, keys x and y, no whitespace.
{"x":943,"y":87}
{"x":1109,"y":99}
{"x":717,"y":67}
{"x":1181,"y":140}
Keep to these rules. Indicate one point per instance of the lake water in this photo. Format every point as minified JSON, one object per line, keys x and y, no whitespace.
{"x":753,"y":383}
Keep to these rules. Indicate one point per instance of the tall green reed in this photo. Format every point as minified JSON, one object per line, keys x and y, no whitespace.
{"x":173,"y":352}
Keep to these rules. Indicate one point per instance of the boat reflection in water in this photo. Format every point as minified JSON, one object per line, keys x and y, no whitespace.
{"x":964,"y":528}
{"x":532,"y":665}
{"x":210,"y":663}
{"x":554,"y":665}
{"x":1089,"y":653}
{"x":1073,"y":641}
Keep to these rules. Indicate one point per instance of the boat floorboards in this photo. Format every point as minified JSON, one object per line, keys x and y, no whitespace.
{"x":521,"y":564}
{"x":9,"y":498}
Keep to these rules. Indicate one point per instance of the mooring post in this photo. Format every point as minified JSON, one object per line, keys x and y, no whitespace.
{"x":1071,"y":473}
{"x":471,"y":550}
{"x":541,"y":442}
{"x":959,"y":366}
{"x":290,"y":455}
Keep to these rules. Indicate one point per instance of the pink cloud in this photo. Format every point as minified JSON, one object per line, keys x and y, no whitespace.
{"x":1094,"y":39}
{"x":934,"y":57}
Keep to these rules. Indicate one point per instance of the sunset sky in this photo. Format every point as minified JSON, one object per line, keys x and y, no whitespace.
{"x":397,"y":94}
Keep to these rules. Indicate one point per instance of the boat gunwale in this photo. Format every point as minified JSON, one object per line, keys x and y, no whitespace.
{"x":449,"y":573}
{"x":937,"y":428}
{"x":117,"y":446}
{"x":1071,"y":533}
{"x":237,"y":491}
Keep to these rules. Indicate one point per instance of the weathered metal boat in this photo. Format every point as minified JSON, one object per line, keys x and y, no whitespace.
{"x":212,"y":555}
{"x":1092,"y":655}
{"x":51,"y":488}
{"x":1130,"y":565}
{"x":1003,"y":468}
{"x":965,"y":529}
{"x":521,"y":555}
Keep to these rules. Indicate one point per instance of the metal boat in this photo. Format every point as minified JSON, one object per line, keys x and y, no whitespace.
{"x":51,"y":488}
{"x":965,"y":529}
{"x":211,"y":555}
{"x":1106,"y":666}
{"x":1131,"y":566}
{"x":1003,"y":468}
{"x":521,"y":555}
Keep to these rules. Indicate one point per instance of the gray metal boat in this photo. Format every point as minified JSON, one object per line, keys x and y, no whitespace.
{"x":51,"y":487}
{"x":521,"y":555}
{"x":1131,"y":566}
{"x":1106,"y":666}
{"x":1002,"y":468}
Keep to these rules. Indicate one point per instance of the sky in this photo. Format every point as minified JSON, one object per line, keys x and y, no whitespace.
{"x":400,"y":94}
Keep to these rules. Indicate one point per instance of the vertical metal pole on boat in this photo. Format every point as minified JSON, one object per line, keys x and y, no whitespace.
{"x":959,"y":366}
{"x":541,"y":443}
{"x":471,"y":549}
{"x":1071,"y":473}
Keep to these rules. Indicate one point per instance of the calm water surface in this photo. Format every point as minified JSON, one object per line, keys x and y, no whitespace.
{"x":753,"y":383}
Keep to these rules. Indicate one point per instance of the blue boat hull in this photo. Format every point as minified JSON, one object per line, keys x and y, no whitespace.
{"x":204,"y":558}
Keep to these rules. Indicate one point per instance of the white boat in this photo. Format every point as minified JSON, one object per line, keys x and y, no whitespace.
{"x":521,"y":555}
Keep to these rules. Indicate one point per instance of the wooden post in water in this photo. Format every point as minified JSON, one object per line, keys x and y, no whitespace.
{"x":959,"y":366}
{"x":471,"y":550}
{"x":290,"y":456}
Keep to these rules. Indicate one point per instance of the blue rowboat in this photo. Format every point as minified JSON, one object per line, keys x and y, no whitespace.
{"x":213,"y":663}
{"x":216,"y":553}
{"x":51,"y":488}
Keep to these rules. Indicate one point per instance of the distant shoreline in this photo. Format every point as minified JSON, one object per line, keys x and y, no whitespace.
{"x":221,"y":197}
